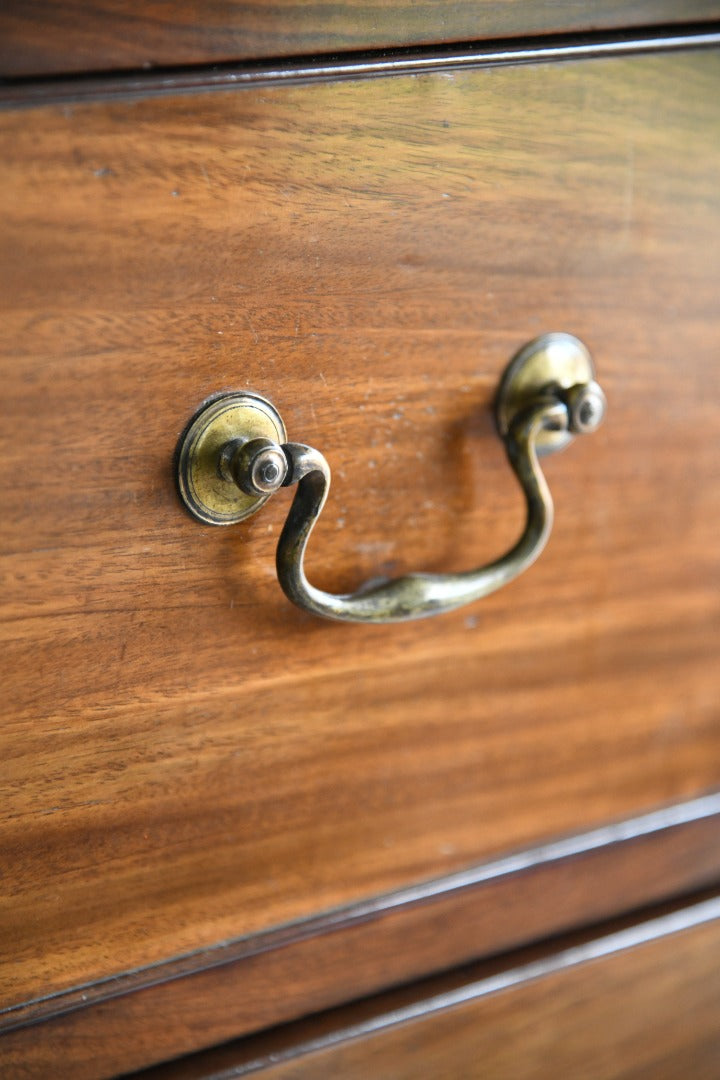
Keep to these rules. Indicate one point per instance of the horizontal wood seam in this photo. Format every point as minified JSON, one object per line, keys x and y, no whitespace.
{"x":27,"y":91}
{"x":519,"y":970}
{"x":508,"y":867}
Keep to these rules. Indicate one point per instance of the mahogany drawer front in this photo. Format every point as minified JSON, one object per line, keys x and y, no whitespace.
{"x":639,"y":1002}
{"x":190,"y":759}
{"x":46,"y":37}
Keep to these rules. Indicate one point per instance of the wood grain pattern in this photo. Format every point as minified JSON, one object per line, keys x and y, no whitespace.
{"x":187,"y":758}
{"x":160,"y":1013}
{"x":57,"y":36}
{"x":640,"y":1002}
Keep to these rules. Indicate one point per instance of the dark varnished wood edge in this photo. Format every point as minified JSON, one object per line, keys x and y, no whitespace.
{"x":24,"y":92}
{"x":487,"y":909}
{"x":429,"y":997}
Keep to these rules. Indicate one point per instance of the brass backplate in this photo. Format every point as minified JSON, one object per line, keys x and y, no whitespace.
{"x":550,"y":362}
{"x":208,"y":496}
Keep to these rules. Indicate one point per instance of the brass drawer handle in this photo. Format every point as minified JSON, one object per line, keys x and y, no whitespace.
{"x":233,"y":456}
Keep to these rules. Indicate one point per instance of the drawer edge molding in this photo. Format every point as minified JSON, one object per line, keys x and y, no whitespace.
{"x":301,"y":70}
{"x":361,"y":1032}
{"x":493,"y":907}
{"x":47,"y":38}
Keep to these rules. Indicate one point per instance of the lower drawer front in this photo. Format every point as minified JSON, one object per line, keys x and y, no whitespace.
{"x":641,"y":1003}
{"x":191,"y":759}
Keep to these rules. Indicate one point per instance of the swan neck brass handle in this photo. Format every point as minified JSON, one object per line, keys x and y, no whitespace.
{"x":233,"y":456}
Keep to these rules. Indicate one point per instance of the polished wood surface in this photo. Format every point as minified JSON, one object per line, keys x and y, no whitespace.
{"x":174,"y":1008}
{"x":54,"y":37}
{"x":636,"y":1002}
{"x":188,"y":758}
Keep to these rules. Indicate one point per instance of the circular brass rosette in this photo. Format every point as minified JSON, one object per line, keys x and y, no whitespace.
{"x":551,"y":363}
{"x":222,"y":423}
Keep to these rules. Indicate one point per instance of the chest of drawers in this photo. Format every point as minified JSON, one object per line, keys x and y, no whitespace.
{"x":221,"y":813}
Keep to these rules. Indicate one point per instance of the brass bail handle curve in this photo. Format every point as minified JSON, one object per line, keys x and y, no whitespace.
{"x":547,"y":395}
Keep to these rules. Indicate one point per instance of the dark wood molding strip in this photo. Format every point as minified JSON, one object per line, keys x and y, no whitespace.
{"x":618,"y":941}
{"x":24,"y":92}
{"x":231,"y":989}
{"x":370,"y":1018}
{"x":52,"y":37}
{"x":509,"y":867}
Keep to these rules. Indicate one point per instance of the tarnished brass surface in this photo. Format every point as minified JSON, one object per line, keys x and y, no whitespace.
{"x":547,"y":395}
{"x":554,"y":362}
{"x":214,"y":435}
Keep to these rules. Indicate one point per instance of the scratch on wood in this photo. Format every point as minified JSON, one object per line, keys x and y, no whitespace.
{"x":252,"y":329}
